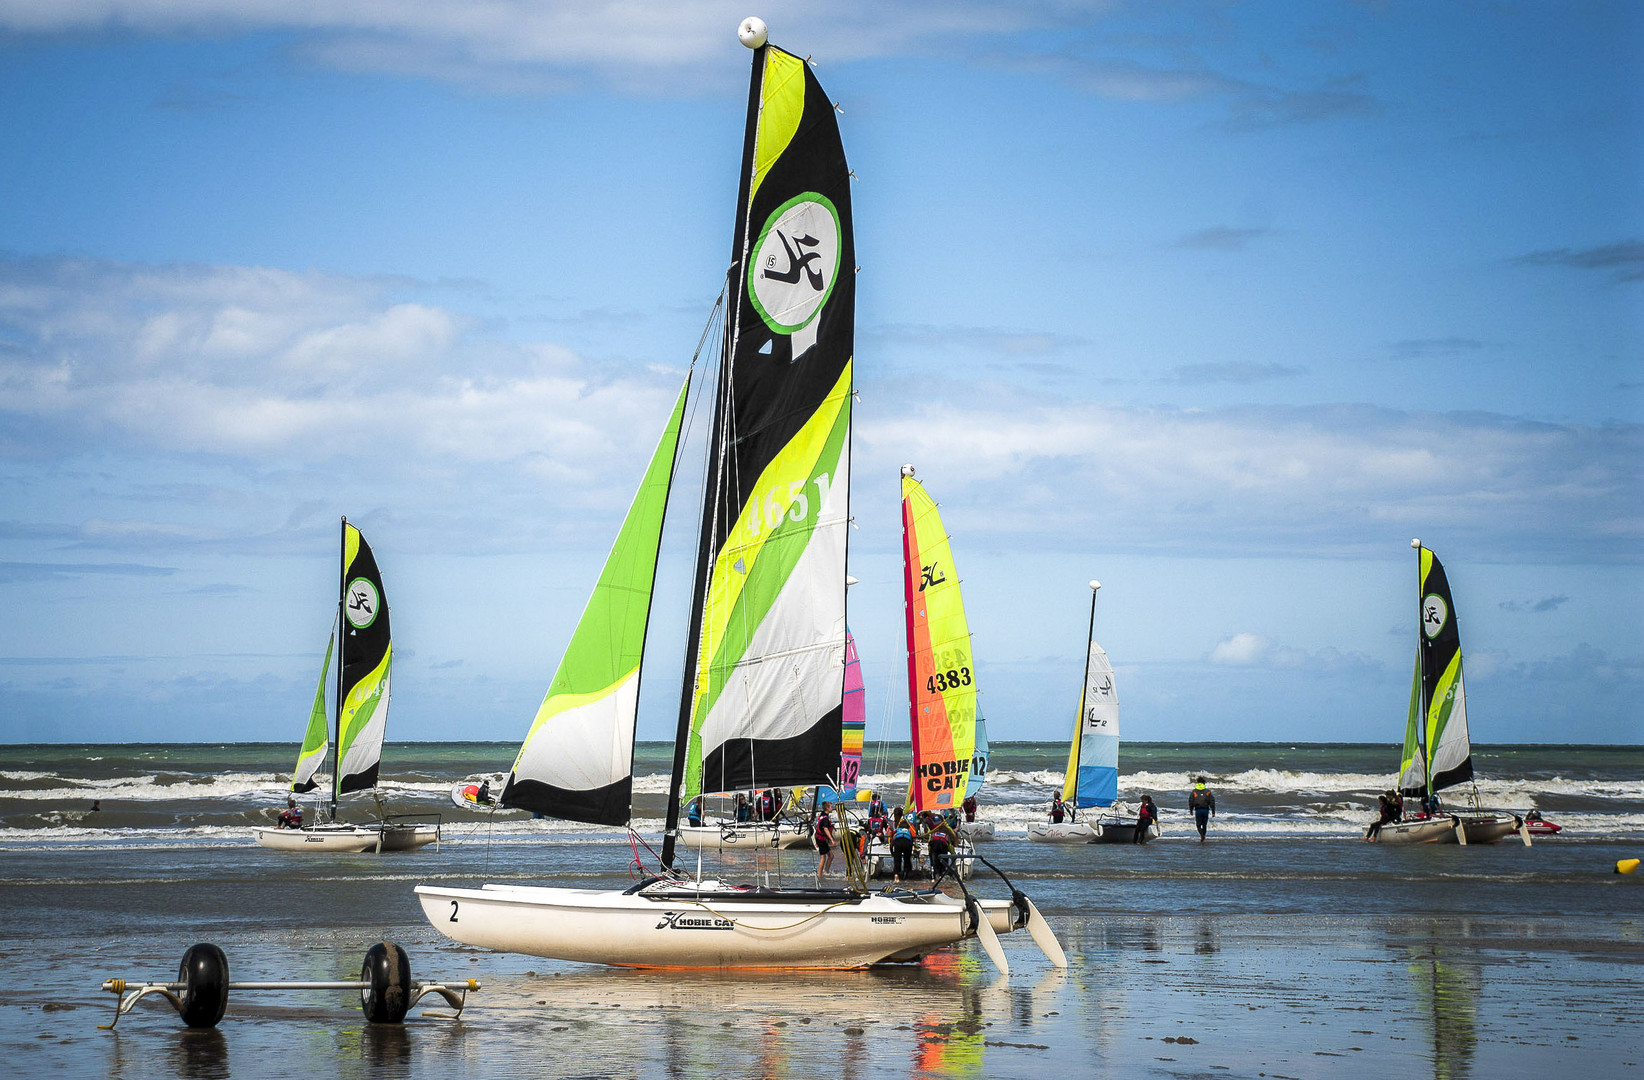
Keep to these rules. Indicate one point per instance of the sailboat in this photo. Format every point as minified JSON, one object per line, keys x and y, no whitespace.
{"x":761,"y":700}
{"x":1437,"y":752}
{"x":365,"y":654}
{"x":977,"y":830}
{"x":1092,"y":778}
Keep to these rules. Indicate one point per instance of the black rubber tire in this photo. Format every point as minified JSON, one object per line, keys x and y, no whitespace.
{"x":388,"y":970}
{"x":204,"y":975}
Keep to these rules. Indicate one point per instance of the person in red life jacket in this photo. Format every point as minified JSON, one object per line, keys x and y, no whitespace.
{"x":1058,"y":809}
{"x":876,"y":806}
{"x":764,"y":811}
{"x":825,"y":839}
{"x":1147,"y":815}
{"x":292,"y":816}
{"x":970,"y":808}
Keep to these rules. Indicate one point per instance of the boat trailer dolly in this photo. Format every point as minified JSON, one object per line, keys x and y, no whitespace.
{"x":200,"y":994}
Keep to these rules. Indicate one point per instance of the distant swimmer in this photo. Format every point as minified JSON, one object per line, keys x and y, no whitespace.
{"x":292,"y":816}
{"x":96,"y":805}
{"x":1203,"y":805}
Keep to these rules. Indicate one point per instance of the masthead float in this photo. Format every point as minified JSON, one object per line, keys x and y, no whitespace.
{"x":761,"y":698}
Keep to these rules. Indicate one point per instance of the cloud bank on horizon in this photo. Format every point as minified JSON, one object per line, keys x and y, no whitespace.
{"x":1219,"y":364}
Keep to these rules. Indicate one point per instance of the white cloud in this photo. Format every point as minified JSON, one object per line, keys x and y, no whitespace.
{"x":1340,"y":479}
{"x":1242,"y":650}
{"x":233,"y":360}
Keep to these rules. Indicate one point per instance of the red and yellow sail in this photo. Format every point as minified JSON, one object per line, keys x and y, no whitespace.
{"x":941,"y":677}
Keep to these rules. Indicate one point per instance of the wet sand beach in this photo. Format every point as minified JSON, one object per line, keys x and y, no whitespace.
{"x":1277,"y":958}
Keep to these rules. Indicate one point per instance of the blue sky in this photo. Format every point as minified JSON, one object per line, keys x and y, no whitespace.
{"x":1218,"y":303}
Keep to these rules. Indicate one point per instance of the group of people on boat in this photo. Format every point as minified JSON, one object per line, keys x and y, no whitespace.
{"x":897,"y":829}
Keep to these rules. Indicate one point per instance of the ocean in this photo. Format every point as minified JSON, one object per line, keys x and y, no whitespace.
{"x":1283,"y":947}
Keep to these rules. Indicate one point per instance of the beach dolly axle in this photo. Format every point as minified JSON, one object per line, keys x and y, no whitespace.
{"x":200,"y":994}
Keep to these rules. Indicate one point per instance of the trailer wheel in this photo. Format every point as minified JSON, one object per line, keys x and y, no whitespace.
{"x":204,"y":975}
{"x":388,"y":970}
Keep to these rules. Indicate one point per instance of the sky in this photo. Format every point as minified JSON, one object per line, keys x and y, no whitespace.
{"x":1218,"y":303}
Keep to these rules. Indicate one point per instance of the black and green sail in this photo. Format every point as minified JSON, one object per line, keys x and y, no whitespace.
{"x":761,"y":703}
{"x":577,"y":759}
{"x":365,"y":654}
{"x":1437,"y":750}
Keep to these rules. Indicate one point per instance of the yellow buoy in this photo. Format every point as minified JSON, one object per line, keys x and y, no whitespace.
{"x":1626,"y":866}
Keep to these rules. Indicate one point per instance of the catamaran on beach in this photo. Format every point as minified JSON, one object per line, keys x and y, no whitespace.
{"x":761,"y":701}
{"x":365,"y":655}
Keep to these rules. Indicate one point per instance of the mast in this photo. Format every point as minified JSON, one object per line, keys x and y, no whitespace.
{"x":719,"y":448}
{"x":1421,"y":681}
{"x":342,"y":648}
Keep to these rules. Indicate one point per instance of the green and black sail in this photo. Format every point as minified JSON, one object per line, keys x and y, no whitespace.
{"x":365,"y":654}
{"x":761,"y":702}
{"x":1437,"y":751}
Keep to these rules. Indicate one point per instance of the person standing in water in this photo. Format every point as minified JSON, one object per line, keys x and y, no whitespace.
{"x":1203,"y":805}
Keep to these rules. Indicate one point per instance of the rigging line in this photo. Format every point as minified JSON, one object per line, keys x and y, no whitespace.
{"x":764,"y":929}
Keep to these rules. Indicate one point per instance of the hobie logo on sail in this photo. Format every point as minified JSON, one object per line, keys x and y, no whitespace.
{"x":1434,"y":612}
{"x":794,"y":265}
{"x":360,"y":605}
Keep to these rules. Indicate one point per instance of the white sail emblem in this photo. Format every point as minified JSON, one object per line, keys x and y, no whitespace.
{"x":794,"y":266}
{"x":1434,"y":613}
{"x":360,"y":605}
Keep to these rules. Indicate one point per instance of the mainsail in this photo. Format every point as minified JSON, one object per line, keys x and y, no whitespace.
{"x":941,"y":678}
{"x":1093,"y":758}
{"x":1439,"y":697}
{"x":365,"y":654}
{"x":317,"y":739}
{"x":577,"y":760}
{"x":762,"y":697}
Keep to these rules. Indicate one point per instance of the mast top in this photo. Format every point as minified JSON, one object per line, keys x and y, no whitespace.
{"x":1094,"y":585}
{"x":753,"y":33}
{"x":1416,"y":544}
{"x":907,"y":470}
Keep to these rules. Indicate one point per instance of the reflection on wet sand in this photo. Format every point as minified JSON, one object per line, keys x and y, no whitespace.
{"x":1449,"y":989}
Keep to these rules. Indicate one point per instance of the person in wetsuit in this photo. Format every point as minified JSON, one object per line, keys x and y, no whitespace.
{"x":901,"y":846}
{"x":1203,"y":805}
{"x":825,"y":840}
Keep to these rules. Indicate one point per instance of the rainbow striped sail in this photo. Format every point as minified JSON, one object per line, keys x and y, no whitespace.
{"x":941,"y":677}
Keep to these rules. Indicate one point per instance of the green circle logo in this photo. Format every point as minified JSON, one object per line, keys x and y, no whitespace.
{"x":795,"y":262}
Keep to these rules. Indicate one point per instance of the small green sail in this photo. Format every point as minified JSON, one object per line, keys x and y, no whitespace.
{"x":318,"y":739}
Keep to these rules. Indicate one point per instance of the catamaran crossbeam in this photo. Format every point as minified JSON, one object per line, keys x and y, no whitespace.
{"x":200,"y":994}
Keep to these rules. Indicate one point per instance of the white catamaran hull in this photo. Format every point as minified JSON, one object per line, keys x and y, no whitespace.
{"x":882,"y":864}
{"x":347,"y":838}
{"x":744,"y":835}
{"x":1068,"y":832}
{"x":1486,"y":827}
{"x":976,"y":830}
{"x":712,"y":929}
{"x":1432,"y":830}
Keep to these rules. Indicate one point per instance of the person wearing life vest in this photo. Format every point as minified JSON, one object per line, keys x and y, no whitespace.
{"x":825,"y":839}
{"x":876,"y":807}
{"x":901,"y":846}
{"x":970,"y":808}
{"x":939,"y":845}
{"x":1203,"y":805}
{"x":1058,"y":809}
{"x":292,"y":816}
{"x":693,"y":812}
{"x":1147,"y":815}
{"x":763,"y":810}
{"x":743,"y":810}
